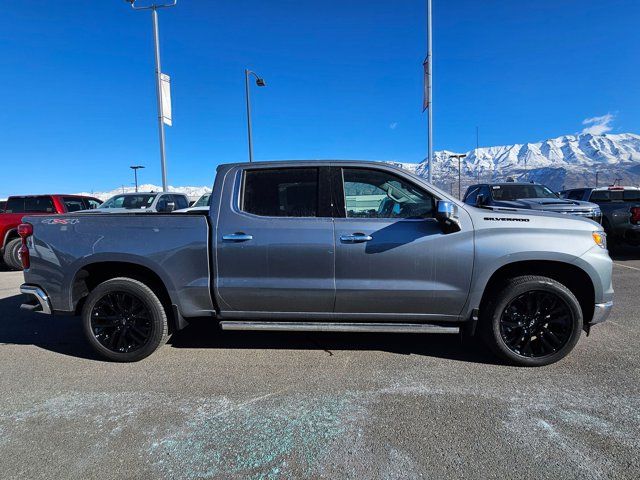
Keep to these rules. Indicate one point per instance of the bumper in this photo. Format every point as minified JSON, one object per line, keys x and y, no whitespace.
{"x":601,"y":312}
{"x":39,"y":301}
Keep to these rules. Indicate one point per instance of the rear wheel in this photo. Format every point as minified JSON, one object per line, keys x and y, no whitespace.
{"x":124,"y":320}
{"x":11,"y":254}
{"x":533,"y":321}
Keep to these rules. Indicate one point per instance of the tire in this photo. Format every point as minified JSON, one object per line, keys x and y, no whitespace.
{"x":11,"y":256}
{"x":124,"y":320}
{"x":532,"y":321}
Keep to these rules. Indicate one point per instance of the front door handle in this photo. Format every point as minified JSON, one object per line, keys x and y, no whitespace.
{"x":237,"y":237}
{"x":356,"y":238}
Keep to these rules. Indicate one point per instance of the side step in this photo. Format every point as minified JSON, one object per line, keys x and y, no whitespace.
{"x":338,"y":327}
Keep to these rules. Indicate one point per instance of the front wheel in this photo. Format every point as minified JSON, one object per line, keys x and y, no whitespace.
{"x":532,"y":321}
{"x":124,"y":320}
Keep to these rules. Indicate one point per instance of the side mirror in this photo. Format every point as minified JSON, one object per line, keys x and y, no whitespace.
{"x":447,"y":216}
{"x":171,"y":206}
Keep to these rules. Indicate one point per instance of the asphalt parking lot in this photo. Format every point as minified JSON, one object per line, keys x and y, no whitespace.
{"x":264,"y":405}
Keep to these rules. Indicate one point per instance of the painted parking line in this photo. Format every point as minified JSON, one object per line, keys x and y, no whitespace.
{"x":626,"y":266}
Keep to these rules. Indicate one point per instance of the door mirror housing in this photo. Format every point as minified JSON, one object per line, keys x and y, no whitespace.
{"x":171,"y":206}
{"x":447,"y":216}
{"x":480,"y":200}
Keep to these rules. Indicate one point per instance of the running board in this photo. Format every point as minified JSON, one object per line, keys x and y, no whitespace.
{"x":338,"y":327}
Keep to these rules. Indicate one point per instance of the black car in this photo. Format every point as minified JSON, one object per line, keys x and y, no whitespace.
{"x":529,"y":196}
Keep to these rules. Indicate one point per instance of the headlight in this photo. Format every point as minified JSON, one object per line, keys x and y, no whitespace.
{"x":600,"y":238}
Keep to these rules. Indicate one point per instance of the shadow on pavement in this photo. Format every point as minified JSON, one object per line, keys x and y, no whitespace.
{"x":63,"y":334}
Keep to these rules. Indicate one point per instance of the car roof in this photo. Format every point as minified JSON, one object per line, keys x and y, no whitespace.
{"x":613,"y":189}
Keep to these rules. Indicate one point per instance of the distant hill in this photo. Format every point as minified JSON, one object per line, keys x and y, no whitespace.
{"x":563,"y":162}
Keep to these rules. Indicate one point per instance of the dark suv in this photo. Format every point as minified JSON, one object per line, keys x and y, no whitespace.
{"x":530,"y":196}
{"x":620,"y":209}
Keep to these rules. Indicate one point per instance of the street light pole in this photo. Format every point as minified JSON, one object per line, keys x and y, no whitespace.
{"x":459,"y":156}
{"x":156,"y":44}
{"x":135,"y":169}
{"x":260,"y":83}
{"x":430,"y":88}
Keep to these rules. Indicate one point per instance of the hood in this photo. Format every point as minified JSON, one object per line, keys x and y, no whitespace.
{"x":548,"y":204}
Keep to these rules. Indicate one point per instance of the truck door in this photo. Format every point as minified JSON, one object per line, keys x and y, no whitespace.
{"x":274,"y":241}
{"x":391,"y":254}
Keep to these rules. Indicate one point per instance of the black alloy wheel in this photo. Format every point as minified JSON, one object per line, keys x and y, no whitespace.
{"x":121,"y":322}
{"x":536,"y":324}
{"x":124,"y":320}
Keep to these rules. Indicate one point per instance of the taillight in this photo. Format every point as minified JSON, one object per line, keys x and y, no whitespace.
{"x":25,"y":230}
{"x":635,"y":215}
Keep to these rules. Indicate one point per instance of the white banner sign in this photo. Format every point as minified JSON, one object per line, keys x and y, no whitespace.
{"x":165,"y":88}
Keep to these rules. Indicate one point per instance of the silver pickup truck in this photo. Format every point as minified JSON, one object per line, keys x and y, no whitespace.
{"x":324,"y":246}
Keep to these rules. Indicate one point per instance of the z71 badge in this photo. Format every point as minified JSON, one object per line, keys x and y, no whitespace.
{"x":61,"y":221}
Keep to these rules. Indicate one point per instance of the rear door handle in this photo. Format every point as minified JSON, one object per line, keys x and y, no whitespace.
{"x":356,"y":238}
{"x":237,"y":237}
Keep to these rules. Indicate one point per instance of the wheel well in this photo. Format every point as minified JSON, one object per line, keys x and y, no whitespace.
{"x":10,"y":235}
{"x":572,"y":277}
{"x":92,"y":275}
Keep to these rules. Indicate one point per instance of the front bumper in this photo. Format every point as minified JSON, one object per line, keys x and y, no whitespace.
{"x":39,"y":301}
{"x":601,"y":312}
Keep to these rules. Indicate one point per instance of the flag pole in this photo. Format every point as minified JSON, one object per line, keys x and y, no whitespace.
{"x":430,"y":90}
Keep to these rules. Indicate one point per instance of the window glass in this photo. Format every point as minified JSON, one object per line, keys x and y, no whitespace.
{"x":286,"y":192}
{"x":131,"y":202}
{"x":15,"y":205}
{"x":600,"y":196}
{"x":180,"y":201}
{"x":203,"y":201}
{"x":39,"y":204}
{"x":575,"y":195}
{"x":376,"y":194}
{"x":516,"y":192}
{"x":631,"y":196}
{"x":3,"y":204}
{"x":471,"y":195}
{"x":75,"y":204}
{"x":93,"y":203}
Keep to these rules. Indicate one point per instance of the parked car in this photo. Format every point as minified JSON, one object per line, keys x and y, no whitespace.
{"x":324,"y":246}
{"x":147,"y":202}
{"x":620,"y":209}
{"x":18,"y":206}
{"x":530,"y":196}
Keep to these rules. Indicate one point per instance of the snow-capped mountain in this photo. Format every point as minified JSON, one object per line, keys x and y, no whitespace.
{"x":192,"y":192}
{"x":563,"y":162}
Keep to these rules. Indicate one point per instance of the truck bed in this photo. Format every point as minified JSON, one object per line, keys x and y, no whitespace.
{"x":173,"y":247}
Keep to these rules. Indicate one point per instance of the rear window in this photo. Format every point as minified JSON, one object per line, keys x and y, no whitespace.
{"x":75,"y":204}
{"x":286,"y":192}
{"x":40,"y":204}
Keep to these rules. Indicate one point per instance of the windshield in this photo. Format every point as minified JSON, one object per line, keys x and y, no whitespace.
{"x":203,"y":201}
{"x":130,"y":202}
{"x":515,"y":192}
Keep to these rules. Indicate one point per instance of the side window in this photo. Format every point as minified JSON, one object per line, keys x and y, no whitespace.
{"x":162,"y":203}
{"x":74,"y":204}
{"x":39,"y":204}
{"x":282,"y":192}
{"x":377,"y":194}
{"x":180,"y":201}
{"x":631,"y":196}
{"x":575,"y":195}
{"x":600,"y":196}
{"x":15,"y":205}
{"x":91,"y":203}
{"x":471,"y":195}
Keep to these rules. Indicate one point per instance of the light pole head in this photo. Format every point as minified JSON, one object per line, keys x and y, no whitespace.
{"x":136,"y":167}
{"x":260,"y":82}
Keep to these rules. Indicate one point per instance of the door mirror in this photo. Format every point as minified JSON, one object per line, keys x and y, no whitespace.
{"x":171,"y":206}
{"x":447,"y":216}
{"x":480,"y":200}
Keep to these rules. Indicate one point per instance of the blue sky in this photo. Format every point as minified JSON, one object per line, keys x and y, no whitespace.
{"x":77,"y":103}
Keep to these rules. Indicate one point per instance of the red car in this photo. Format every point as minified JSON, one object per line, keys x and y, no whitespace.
{"x":19,"y":206}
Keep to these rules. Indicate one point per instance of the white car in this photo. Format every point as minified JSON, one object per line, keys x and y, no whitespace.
{"x":143,"y":202}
